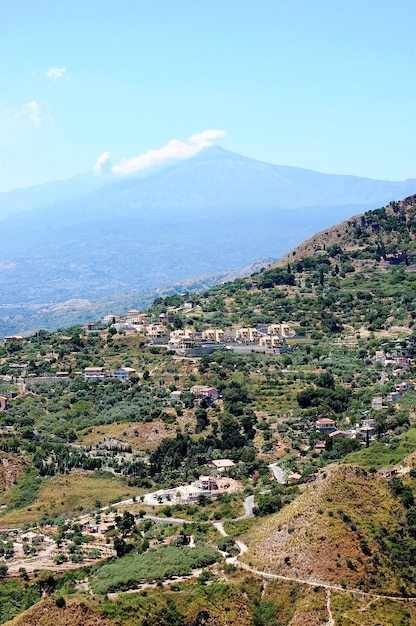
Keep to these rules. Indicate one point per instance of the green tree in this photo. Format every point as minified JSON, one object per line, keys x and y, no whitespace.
{"x":125,"y":523}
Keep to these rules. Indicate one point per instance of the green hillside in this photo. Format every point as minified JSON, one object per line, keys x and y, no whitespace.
{"x":74,"y":448}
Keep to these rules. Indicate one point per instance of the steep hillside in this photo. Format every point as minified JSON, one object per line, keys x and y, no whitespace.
{"x":387,"y":235}
{"x":348,"y":528}
{"x":12,"y":467}
{"x":243,"y":599}
{"x":47,"y":613}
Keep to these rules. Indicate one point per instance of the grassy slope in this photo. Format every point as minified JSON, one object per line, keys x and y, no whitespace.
{"x":46,"y":613}
{"x":242,"y":600}
{"x":317,"y":536}
{"x":380,"y":455}
{"x":69,"y":494}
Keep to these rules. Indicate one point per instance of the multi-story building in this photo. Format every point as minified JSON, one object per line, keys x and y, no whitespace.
{"x":213,"y":334}
{"x":250,"y":335}
{"x":123,"y":373}
{"x":94,"y":372}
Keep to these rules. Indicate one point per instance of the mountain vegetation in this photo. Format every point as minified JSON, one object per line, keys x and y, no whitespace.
{"x":346,"y":528}
{"x":334,"y":512}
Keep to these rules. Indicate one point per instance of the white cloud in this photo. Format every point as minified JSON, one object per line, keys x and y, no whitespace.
{"x":31,"y":111}
{"x":103,"y":165}
{"x":206,"y":136}
{"x":55,"y":72}
{"x":174,"y":150}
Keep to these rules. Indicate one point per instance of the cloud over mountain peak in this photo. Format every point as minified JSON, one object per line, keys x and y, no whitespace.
{"x":174,"y":150}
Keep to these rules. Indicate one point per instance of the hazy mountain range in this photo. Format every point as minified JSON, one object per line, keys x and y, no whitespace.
{"x":92,"y":239}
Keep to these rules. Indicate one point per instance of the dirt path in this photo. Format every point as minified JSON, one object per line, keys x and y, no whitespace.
{"x":330,"y":621}
{"x":220,"y":527}
{"x":316,"y":583}
{"x":312,"y":583}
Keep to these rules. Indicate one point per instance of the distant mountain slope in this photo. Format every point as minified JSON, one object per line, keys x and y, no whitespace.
{"x":213,"y":178}
{"x":90,"y":239}
{"x":29,"y":198}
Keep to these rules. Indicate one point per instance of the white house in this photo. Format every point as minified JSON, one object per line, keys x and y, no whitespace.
{"x":123,"y":373}
{"x":94,"y":372}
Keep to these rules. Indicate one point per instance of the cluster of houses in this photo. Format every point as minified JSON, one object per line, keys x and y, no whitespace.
{"x":200,"y":392}
{"x":209,"y":486}
{"x":186,"y":341}
{"x":327,"y":426}
{"x":378,"y":402}
{"x":366,"y":430}
{"x":268,"y":339}
{"x":395,"y":361}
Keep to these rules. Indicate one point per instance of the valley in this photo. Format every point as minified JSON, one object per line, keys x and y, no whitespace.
{"x":73,"y":250}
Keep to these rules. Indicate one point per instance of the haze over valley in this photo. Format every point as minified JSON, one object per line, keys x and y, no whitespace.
{"x":99,"y":242}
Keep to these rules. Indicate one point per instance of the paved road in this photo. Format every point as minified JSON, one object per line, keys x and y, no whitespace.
{"x":278,"y":473}
{"x":248,"y":508}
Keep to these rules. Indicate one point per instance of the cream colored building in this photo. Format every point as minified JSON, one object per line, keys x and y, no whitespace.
{"x":94,"y":372}
{"x":132,"y":313}
{"x":273,"y":341}
{"x":156,"y":330}
{"x":213,"y":334}
{"x":180,"y":332}
{"x":282,"y":330}
{"x":184,"y":342}
{"x":248,"y":334}
{"x":138,"y":320}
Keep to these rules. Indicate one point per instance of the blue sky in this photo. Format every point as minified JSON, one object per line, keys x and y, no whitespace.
{"x":324,"y":85}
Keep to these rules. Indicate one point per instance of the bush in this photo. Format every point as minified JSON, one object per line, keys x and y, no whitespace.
{"x":60,"y":558}
{"x":226,"y":544}
{"x":60,"y":602}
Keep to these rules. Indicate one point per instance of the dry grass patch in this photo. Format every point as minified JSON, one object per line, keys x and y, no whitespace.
{"x":296,"y":604}
{"x":46,"y":613}
{"x":327,"y":533}
{"x":70,"y":494}
{"x":350,"y":610}
{"x":140,"y":436}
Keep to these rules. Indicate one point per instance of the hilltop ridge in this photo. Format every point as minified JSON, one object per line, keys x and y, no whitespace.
{"x":378,"y":234}
{"x":342,"y":530}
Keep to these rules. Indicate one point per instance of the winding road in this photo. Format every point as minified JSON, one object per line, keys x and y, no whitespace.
{"x":278,"y":473}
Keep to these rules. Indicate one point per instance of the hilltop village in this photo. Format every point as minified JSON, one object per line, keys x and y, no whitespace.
{"x":204,"y":440}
